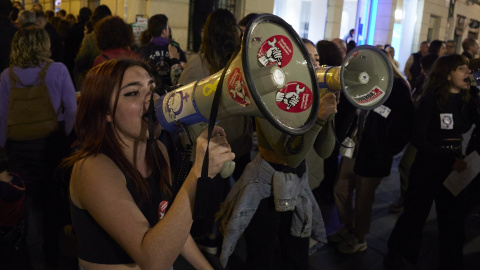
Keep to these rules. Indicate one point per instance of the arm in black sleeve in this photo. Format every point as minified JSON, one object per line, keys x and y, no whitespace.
{"x":400,"y":122}
{"x":344,"y":117}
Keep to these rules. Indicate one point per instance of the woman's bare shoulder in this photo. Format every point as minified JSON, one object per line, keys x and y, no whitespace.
{"x":92,"y":175}
{"x":98,"y":164}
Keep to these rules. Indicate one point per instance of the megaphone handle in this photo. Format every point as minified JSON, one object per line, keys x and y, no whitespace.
{"x":214,"y":112}
{"x":193,"y":131}
{"x":227,"y":169}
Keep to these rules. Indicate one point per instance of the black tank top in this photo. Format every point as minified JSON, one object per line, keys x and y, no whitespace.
{"x":94,"y":244}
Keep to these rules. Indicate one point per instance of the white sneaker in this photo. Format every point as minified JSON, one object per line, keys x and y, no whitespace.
{"x":338,"y":236}
{"x":351,"y":245}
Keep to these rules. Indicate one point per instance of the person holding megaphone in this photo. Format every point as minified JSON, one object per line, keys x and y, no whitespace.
{"x":221,"y":39}
{"x":119,"y":192}
{"x":272,"y":200}
{"x":379,"y":135}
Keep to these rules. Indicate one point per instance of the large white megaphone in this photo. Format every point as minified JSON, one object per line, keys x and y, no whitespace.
{"x":366,"y":77}
{"x":271,"y":77}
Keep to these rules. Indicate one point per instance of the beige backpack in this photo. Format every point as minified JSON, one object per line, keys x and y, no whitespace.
{"x":30,"y":111}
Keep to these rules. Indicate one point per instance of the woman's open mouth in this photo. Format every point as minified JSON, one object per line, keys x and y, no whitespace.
{"x":146,"y":117}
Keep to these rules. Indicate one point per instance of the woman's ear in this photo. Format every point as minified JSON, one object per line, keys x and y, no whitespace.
{"x":109,"y":118}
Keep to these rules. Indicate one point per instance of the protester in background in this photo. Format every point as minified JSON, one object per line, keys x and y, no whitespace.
{"x":426,"y":64}
{"x":61,"y":14}
{"x":144,"y":38}
{"x":34,"y":130}
{"x":54,"y":21}
{"x":391,"y":52}
{"x":114,"y":38}
{"x":49,"y":14}
{"x":219,"y":42}
{"x":88,"y":28}
{"x":312,"y":51}
{"x":18,"y":5}
{"x":25,"y":18}
{"x":470,"y":47}
{"x":70,"y":18}
{"x":166,"y":58}
{"x":37,"y":7}
{"x":314,"y":162}
{"x":13,"y":16}
{"x":7,"y":30}
{"x":63,"y":27}
{"x":88,"y":49}
{"x":221,"y":39}
{"x":56,"y":46}
{"x":410,"y":151}
{"x":412,"y":67}
{"x":351,"y":45}
{"x":74,"y":38}
{"x":350,"y":36}
{"x":245,"y":20}
{"x":330,"y":55}
{"x":341,"y":45}
{"x":440,"y":121}
{"x":381,"y":134}
{"x":438,"y":47}
{"x":451,"y":47}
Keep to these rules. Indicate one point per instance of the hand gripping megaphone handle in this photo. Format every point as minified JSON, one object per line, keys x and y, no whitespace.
{"x":227,"y":169}
{"x":192,"y":132}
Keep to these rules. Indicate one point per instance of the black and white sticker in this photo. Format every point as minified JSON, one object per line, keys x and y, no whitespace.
{"x":383,"y":110}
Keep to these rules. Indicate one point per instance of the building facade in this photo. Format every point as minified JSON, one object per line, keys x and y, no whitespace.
{"x":402,"y":23}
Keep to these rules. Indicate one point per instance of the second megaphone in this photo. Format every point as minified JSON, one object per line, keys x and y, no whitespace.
{"x":366,"y":77}
{"x":271,"y":77}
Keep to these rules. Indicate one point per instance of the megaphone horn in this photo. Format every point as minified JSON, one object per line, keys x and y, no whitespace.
{"x":365,"y":77}
{"x":262,"y":80}
{"x":272,"y":77}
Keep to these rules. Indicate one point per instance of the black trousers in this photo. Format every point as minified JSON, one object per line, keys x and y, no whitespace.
{"x":425,"y":187}
{"x":36,"y":162}
{"x":269,"y":242}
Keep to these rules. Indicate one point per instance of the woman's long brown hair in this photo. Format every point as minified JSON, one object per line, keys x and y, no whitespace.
{"x":97,"y":136}
{"x":220,"y":39}
{"x":437,"y":82}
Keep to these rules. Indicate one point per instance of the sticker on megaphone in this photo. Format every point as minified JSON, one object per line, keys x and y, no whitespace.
{"x":237,"y":88}
{"x":295,"y":97}
{"x":276,"y":49}
{"x":370,"y":98}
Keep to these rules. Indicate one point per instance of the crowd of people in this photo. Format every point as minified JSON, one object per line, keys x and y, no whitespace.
{"x":80,"y":154}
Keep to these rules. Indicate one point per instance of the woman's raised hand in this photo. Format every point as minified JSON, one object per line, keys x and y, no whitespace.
{"x":219,"y":151}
